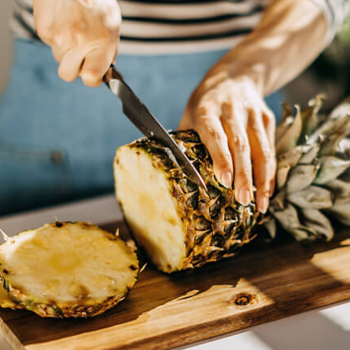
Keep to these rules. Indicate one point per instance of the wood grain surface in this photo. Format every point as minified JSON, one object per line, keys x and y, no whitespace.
{"x":261,"y":284}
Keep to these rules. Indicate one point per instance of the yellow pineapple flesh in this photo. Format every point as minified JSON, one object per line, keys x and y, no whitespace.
{"x":67,"y":269}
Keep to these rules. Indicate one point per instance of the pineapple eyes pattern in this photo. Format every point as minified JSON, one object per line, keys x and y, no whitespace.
{"x":216,"y":207}
{"x":201,"y":224}
{"x":192,"y":201}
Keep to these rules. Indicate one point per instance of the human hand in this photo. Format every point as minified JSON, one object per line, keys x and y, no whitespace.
{"x":238,"y":129}
{"x":83,"y":35}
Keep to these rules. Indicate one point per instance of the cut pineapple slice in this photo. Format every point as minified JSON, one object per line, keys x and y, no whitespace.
{"x":5,"y":301}
{"x":67,"y":269}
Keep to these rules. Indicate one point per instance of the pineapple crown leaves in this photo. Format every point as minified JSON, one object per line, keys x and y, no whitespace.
{"x":313,"y":171}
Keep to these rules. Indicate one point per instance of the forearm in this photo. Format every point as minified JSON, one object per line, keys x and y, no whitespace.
{"x":291,"y":35}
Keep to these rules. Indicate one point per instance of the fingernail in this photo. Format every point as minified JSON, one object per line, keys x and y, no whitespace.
{"x":226,"y":179}
{"x":244,"y":196}
{"x":263,"y":204}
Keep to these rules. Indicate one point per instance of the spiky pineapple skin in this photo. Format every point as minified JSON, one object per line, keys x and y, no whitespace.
{"x":215,"y":225}
{"x":5,"y":300}
{"x":53,"y":309}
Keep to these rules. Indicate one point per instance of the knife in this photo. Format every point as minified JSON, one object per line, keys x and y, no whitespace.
{"x":147,"y":123}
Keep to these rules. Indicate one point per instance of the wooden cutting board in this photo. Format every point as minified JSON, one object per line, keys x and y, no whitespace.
{"x":263,"y":283}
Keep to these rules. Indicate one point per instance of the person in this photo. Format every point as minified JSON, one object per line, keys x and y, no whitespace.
{"x":57,"y":140}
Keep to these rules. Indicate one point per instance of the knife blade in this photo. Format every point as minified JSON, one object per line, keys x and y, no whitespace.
{"x":147,"y":123}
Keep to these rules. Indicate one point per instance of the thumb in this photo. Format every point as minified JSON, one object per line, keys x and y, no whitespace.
{"x":186,"y":120}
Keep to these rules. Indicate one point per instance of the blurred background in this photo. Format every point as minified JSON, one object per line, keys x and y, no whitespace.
{"x":329,"y":73}
{"x":5,"y":43}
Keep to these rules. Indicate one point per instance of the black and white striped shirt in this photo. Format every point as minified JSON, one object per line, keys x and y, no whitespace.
{"x":177,"y":26}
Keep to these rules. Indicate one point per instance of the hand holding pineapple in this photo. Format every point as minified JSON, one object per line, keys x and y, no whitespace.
{"x":236,"y":126}
{"x":227,"y":108}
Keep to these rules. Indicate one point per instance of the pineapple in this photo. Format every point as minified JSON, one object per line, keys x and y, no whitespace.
{"x":66,"y":269}
{"x":181,"y":226}
{"x":6,"y":302}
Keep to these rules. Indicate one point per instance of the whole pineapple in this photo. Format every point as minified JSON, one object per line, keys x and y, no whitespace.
{"x":182,"y":226}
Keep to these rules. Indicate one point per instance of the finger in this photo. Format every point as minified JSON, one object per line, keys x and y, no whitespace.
{"x":185,"y":124}
{"x":95,"y":66}
{"x":272,"y":186}
{"x":115,"y":56}
{"x":240,"y":150}
{"x":43,"y":29}
{"x":270,"y":127}
{"x":213,"y":136}
{"x":186,"y":120}
{"x":58,"y":52}
{"x":70,"y":65}
{"x":263,"y":159}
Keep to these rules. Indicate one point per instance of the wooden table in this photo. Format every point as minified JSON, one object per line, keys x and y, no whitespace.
{"x":322,"y":329}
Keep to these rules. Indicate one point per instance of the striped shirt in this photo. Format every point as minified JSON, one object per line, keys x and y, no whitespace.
{"x":178,"y":26}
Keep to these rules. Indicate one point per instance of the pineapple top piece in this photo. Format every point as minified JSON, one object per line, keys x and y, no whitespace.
{"x":312,"y":172}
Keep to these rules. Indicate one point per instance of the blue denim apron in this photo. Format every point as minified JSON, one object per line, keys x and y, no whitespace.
{"x":58,"y":140}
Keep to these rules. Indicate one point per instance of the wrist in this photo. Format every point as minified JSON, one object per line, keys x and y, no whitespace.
{"x":251,"y":59}
{"x":236,"y":65}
